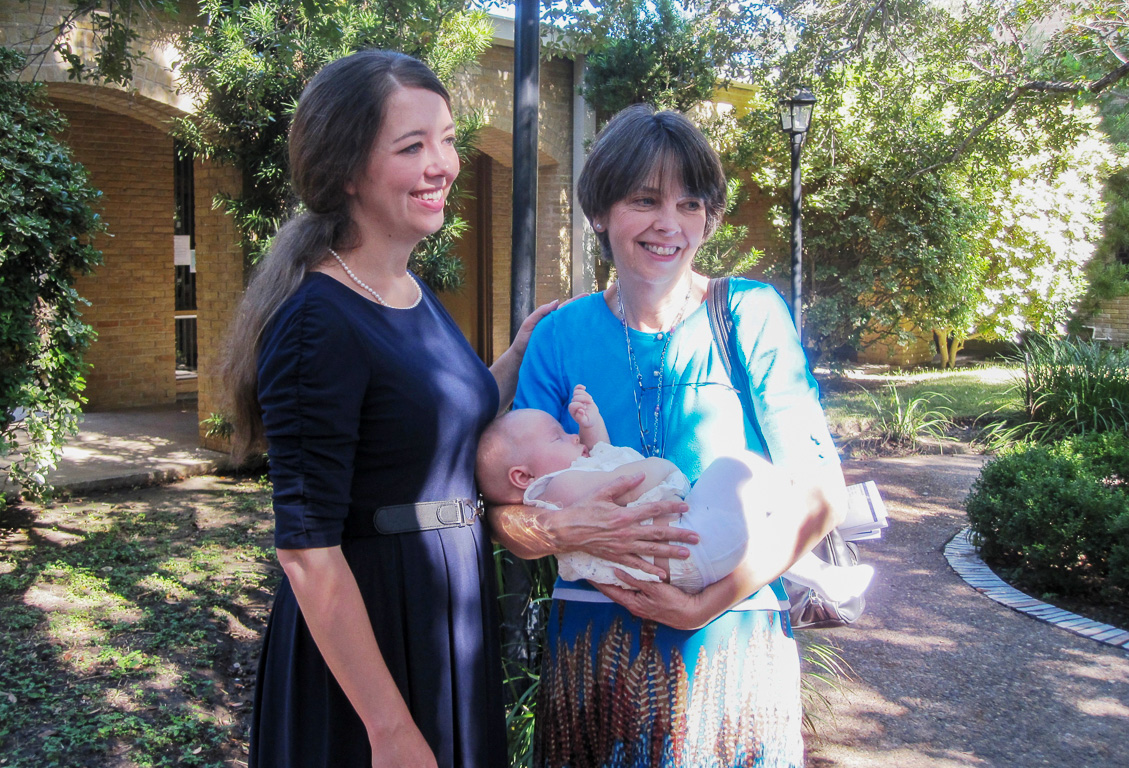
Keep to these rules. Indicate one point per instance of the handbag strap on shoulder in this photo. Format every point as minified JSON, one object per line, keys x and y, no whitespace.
{"x":721,"y":324}
{"x":724,"y":338}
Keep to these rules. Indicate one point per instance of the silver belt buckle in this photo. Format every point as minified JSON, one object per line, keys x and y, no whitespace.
{"x":460,"y":512}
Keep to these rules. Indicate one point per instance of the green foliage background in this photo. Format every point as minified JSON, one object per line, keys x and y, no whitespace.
{"x":1057,"y":515}
{"x":46,"y":221}
{"x":247,"y":64}
{"x":951,"y":177}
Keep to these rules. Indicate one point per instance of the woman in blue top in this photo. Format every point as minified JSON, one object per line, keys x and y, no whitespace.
{"x":654,"y":676}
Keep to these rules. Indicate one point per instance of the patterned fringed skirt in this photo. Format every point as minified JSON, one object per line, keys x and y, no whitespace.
{"x":618,"y":692}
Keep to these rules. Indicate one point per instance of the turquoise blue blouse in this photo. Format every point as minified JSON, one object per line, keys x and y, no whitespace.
{"x":700,"y":413}
{"x":701,"y":416}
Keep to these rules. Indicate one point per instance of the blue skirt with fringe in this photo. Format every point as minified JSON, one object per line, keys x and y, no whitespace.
{"x":619,"y":692}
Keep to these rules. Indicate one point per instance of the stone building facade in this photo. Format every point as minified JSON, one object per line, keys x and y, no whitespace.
{"x":121,"y":136}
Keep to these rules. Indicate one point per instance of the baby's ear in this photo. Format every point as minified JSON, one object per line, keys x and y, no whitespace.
{"x":521,"y":477}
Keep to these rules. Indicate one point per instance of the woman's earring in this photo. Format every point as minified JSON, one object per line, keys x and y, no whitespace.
{"x":598,"y":227}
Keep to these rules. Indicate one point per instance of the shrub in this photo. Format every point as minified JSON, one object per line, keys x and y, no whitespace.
{"x":1057,"y":516}
{"x":1074,"y":387}
{"x":45,"y":222}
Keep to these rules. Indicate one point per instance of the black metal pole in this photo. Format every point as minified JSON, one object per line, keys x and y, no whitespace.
{"x":797,"y":235}
{"x":527,"y":43}
{"x":518,"y":645}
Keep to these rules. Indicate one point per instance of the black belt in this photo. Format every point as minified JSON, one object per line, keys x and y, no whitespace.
{"x":426,"y":516}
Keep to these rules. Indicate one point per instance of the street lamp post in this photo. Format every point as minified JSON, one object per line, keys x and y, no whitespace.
{"x":795,"y":119}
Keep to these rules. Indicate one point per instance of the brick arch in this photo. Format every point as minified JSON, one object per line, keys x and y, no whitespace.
{"x":153,"y":113}
{"x":32,"y":30}
{"x":499,"y":146}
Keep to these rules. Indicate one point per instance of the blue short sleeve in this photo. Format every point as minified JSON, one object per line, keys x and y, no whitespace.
{"x":784,"y":393}
{"x":541,"y":382}
{"x":312,"y":382}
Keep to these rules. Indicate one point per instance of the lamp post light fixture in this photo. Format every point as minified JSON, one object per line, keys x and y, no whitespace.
{"x":795,"y":119}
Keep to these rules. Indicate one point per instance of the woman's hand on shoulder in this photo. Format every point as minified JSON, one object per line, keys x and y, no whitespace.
{"x":521,"y":339}
{"x":506,"y":367}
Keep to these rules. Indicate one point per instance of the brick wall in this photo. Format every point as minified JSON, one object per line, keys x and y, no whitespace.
{"x":488,"y":87}
{"x":893,"y":352}
{"x":554,"y":183}
{"x":131,"y":294}
{"x":755,"y":214}
{"x":219,"y":286}
{"x":1113,"y":320}
{"x":501,"y":223}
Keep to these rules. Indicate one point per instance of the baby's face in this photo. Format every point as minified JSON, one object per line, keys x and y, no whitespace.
{"x":547,"y":447}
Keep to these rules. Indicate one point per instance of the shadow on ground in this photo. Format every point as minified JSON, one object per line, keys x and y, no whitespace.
{"x":946,"y":677}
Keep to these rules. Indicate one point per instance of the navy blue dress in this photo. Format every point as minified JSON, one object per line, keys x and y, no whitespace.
{"x":366,"y":406}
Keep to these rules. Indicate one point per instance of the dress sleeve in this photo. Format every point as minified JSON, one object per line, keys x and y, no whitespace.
{"x":312,"y":382}
{"x":541,"y":383}
{"x":784,"y":393}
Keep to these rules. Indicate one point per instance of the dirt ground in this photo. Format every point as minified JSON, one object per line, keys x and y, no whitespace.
{"x":942,"y":676}
{"x":131,"y":625}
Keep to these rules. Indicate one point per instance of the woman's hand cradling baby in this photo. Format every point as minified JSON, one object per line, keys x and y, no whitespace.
{"x":597,"y":525}
{"x":601,"y":527}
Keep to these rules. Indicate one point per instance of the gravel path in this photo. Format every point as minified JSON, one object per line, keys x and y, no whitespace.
{"x":945,"y":676}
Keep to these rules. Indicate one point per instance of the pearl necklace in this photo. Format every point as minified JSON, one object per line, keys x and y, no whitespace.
{"x":379,"y":299}
{"x":651,"y":447}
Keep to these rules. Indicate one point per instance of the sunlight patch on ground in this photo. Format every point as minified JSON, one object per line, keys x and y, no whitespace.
{"x":988,"y":373}
{"x":1104,"y":707}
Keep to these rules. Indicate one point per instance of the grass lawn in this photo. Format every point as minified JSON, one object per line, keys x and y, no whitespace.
{"x":975,"y":395}
{"x":128,"y":624}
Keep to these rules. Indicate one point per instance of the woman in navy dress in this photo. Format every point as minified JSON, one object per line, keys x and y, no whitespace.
{"x":382,"y":646}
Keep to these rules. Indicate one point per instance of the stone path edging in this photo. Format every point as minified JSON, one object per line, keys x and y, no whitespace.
{"x":965,"y":560}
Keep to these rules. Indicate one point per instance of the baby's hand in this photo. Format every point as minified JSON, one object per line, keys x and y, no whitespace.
{"x":583,"y":408}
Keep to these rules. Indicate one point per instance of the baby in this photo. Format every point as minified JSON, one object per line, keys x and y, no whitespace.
{"x":526,"y":457}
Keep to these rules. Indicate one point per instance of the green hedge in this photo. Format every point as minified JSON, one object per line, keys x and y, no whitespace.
{"x":1057,"y":516}
{"x":47,"y":218}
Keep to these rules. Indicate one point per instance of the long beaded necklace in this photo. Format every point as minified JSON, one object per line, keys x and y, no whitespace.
{"x":656,"y":446}
{"x":379,"y":299}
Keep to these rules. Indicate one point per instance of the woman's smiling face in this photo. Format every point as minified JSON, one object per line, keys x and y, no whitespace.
{"x":656,"y":230}
{"x":401,"y":191}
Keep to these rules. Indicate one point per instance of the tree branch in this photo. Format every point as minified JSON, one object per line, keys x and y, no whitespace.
{"x":1038,"y":86}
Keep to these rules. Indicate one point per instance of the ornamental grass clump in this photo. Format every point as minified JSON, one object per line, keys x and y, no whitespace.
{"x":904,"y":422}
{"x":1056,"y":517}
{"x":1074,"y":387}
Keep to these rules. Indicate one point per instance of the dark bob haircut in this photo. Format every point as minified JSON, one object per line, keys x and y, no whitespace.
{"x":635,"y":145}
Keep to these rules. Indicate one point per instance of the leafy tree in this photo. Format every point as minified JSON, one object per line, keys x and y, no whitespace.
{"x":247,"y":63}
{"x":653,"y":52}
{"x":1107,"y":273}
{"x":1040,"y":236}
{"x":46,"y":220}
{"x":113,"y":27}
{"x":941,"y":136}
